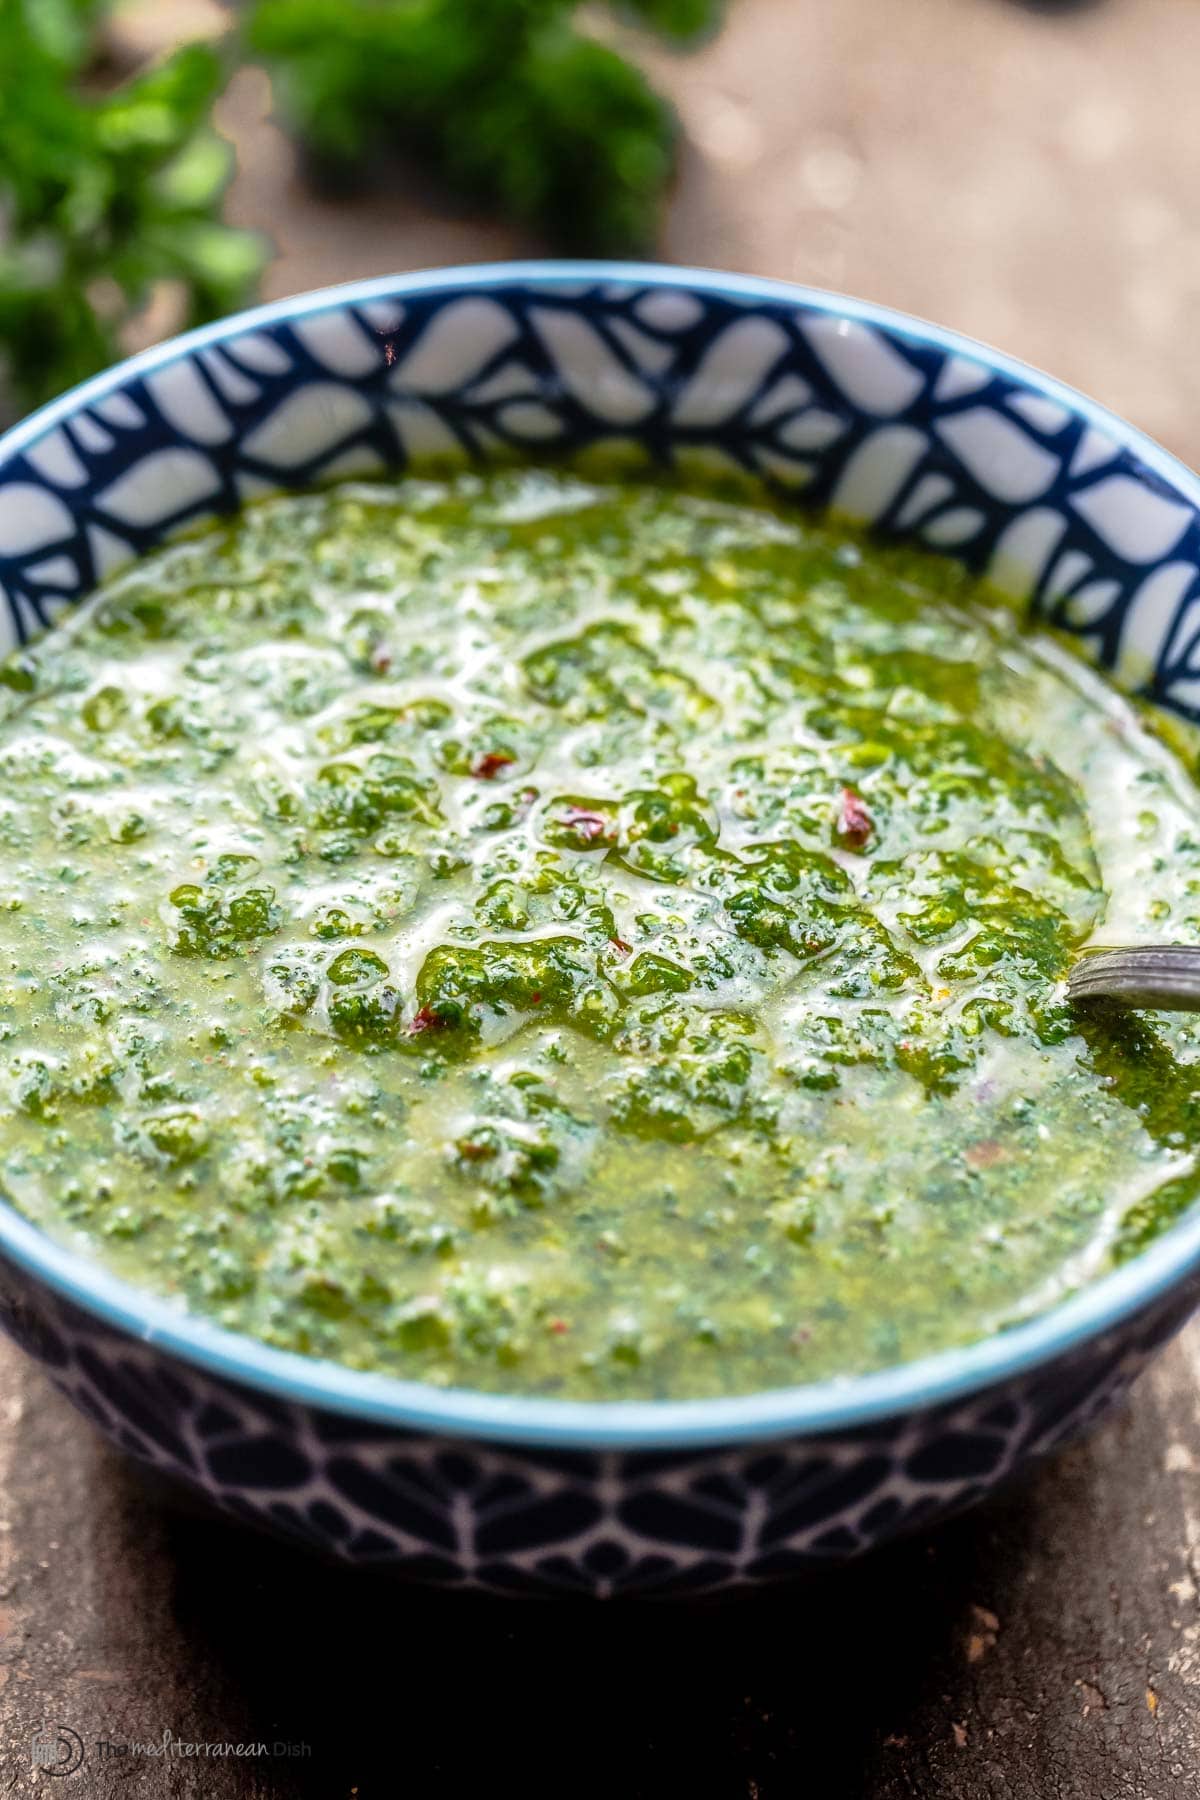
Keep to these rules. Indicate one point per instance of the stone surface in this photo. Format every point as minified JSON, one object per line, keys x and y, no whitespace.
{"x":1025,"y":175}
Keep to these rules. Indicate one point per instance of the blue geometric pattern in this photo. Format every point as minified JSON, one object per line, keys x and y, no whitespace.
{"x":525,"y":1520}
{"x":915,"y":436}
{"x":837,"y":405}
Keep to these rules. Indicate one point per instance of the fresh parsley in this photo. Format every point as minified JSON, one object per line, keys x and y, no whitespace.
{"x":103,"y":194}
{"x":515,"y":106}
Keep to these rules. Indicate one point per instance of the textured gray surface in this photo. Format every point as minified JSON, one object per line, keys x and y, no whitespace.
{"x":1032,"y":179}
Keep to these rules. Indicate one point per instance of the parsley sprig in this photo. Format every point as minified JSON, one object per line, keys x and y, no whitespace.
{"x":519,"y":109}
{"x":102,"y":195}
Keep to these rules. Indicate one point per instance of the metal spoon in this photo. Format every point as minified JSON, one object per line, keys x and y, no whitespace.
{"x":1163,"y":976}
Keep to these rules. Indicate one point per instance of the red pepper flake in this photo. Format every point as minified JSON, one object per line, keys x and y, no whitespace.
{"x":855,"y":823}
{"x":381,"y":659}
{"x":620,"y":946}
{"x":983,"y":1154}
{"x":476,"y":1152}
{"x":589,"y":825}
{"x":558,"y":1326}
{"x":426,"y":1020}
{"x":489,"y":766}
{"x":535,"y":999}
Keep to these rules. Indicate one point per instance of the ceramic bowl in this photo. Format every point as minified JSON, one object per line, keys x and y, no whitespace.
{"x":846,"y":406}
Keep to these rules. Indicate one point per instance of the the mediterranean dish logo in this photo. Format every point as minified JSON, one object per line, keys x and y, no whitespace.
{"x":56,"y":1750}
{"x":59,"y":1750}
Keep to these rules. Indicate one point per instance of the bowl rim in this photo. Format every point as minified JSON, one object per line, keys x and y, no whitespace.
{"x":841,"y":1403}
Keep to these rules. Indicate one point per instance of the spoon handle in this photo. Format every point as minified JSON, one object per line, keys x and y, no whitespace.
{"x":1163,"y":976}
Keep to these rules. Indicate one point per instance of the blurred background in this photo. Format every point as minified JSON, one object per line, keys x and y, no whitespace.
{"x":1016,"y":170}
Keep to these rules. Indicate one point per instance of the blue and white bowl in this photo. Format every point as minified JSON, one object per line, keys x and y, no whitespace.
{"x":925,"y":435}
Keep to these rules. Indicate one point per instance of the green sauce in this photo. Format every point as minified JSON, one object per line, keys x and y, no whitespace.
{"x":582,"y":939}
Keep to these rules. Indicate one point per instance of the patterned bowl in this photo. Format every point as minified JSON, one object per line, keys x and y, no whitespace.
{"x":843,"y":405}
